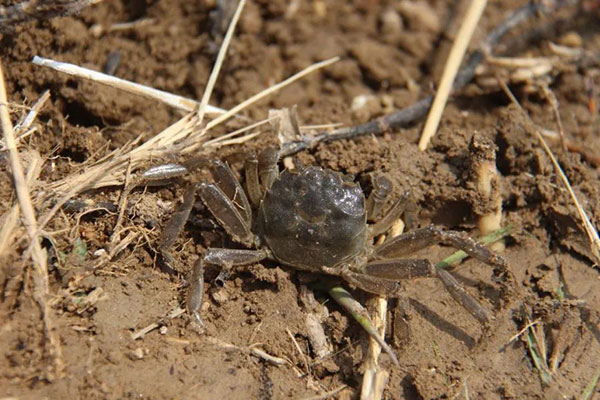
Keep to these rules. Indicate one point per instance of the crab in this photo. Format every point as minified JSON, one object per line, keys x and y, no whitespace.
{"x":312,"y":219}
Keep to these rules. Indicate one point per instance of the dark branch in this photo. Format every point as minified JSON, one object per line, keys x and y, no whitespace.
{"x":30,"y":10}
{"x":415,"y":112}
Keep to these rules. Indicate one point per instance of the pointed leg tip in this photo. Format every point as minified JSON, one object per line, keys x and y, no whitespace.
{"x":198,"y":321}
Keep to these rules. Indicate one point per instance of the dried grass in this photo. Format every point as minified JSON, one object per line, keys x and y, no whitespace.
{"x":375,"y":378}
{"x":170,"y":99}
{"x":40,"y":270}
{"x":455,"y":58}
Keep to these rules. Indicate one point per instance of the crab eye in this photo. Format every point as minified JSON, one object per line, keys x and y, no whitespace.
{"x":348,"y":201}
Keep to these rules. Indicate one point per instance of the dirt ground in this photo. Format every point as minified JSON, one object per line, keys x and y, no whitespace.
{"x":393,"y":51}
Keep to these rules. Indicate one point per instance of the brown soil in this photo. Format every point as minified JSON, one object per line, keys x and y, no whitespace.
{"x":95,"y":312}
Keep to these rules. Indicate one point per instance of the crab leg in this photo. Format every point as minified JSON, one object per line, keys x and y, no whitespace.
{"x":418,"y":239}
{"x":399,"y":269}
{"x":224,"y":258}
{"x":267,"y":167}
{"x":381,"y":190}
{"x":404,"y":205}
{"x":458,"y":292}
{"x":221,"y":206}
{"x":227,"y":182}
{"x":161,"y":173}
{"x":220,"y":171}
{"x":382,"y":277}
{"x":393,"y":270}
{"x":252,"y":182}
{"x":175,"y":225}
{"x":372,"y":284}
{"x":226,"y":212}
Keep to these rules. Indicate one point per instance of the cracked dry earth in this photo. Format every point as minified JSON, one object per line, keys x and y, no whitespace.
{"x":392,"y":52}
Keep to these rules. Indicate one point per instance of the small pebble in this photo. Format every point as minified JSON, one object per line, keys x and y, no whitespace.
{"x":320,"y":8}
{"x":136,"y":354}
{"x":96,"y":30}
{"x":571,"y":39}
{"x":99,"y":253}
{"x":391,"y":22}
{"x":419,"y":15}
{"x":288,"y":163}
{"x":219,"y":296}
{"x":365,"y":107}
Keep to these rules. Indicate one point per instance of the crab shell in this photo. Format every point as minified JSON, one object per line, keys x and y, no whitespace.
{"x":313,"y":218}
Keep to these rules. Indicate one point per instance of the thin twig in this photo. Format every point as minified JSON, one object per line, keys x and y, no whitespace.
{"x":277,"y":361}
{"x":551,"y":97}
{"x":38,"y":254}
{"x":26,"y":122}
{"x":237,"y":140}
{"x":10,"y":218}
{"x":522,"y":331}
{"x":123,"y":198}
{"x":248,"y":350}
{"x":360,"y":314}
{"x":374,"y":377}
{"x":173,"y":100}
{"x":98,"y":29}
{"x":176,"y":312}
{"x":327,"y":395}
{"x":218,"y":141}
{"x":116,"y":236}
{"x":413,"y":113}
{"x":536,"y":345}
{"x":299,"y":350}
{"x":591,"y":387}
{"x":259,"y":96}
{"x":212,"y":79}
{"x":455,"y":57}
{"x":466,"y":386}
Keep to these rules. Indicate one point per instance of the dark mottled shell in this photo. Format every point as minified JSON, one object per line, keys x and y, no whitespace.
{"x":313,"y":218}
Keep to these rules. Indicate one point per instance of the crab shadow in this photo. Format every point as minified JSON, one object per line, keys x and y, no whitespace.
{"x":490,"y":292}
{"x":442,"y":324}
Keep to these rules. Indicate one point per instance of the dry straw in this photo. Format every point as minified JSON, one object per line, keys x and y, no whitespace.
{"x":375,"y":378}
{"x":173,"y":100}
{"x":450,"y":70}
{"x":40,"y":270}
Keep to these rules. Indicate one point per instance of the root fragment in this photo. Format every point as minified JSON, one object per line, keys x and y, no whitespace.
{"x":487,"y":184}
